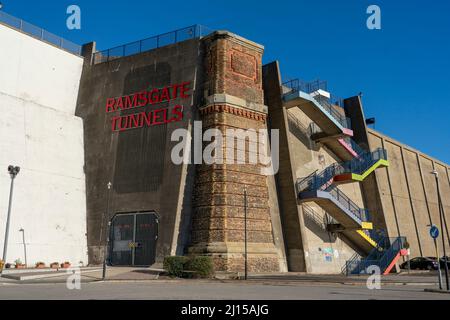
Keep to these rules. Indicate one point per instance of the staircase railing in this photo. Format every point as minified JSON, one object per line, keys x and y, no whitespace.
{"x":359,"y":165}
{"x":364,"y":161}
{"x":313,"y":129}
{"x":355,"y":257}
{"x":321,"y":221}
{"x":297,"y":85}
{"x":304,"y":183}
{"x":356,"y":147}
{"x":316,"y":180}
{"x":360,"y":213}
{"x":331,"y":109}
{"x":386,"y":253}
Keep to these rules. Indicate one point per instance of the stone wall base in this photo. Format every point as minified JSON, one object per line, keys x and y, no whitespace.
{"x":261,"y":257}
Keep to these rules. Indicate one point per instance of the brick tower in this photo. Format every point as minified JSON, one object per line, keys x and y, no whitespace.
{"x":234,"y":100}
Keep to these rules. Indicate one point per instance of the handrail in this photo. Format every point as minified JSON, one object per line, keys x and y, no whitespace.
{"x":328,"y":104}
{"x":158,"y":41}
{"x":355,"y":147}
{"x":325,"y":103}
{"x":327,"y":219}
{"x":353,"y":258}
{"x":360,"y":213}
{"x":364,"y":161}
{"x":308,"y":87}
{"x":386,"y":253}
{"x":39,"y":33}
{"x":306,"y":179}
{"x":358,"y":165}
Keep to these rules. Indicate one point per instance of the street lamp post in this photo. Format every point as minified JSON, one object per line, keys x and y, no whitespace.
{"x":439,"y":265}
{"x":436,"y":175}
{"x":245,"y":234}
{"x":105,"y":253}
{"x":13,"y":172}
{"x":24,"y":245}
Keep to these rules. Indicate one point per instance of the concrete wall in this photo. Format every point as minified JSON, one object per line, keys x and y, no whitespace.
{"x":324,"y":252}
{"x":291,"y":221}
{"x":409,"y":194}
{"x":309,"y":247}
{"x":39,"y":132}
{"x":138,"y":161}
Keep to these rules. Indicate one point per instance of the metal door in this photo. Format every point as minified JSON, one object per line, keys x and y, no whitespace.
{"x":122,"y":234}
{"x":145,"y":239}
{"x":133,"y":239}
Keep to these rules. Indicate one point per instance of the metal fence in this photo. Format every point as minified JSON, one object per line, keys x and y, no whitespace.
{"x":192,"y":32}
{"x":307,"y":87}
{"x":39,"y":33}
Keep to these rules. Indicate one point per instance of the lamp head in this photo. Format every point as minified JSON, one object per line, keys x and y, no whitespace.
{"x":13,"y":171}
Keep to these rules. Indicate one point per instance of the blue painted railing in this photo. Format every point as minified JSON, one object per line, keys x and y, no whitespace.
{"x":358,"y":165}
{"x":381,"y":256}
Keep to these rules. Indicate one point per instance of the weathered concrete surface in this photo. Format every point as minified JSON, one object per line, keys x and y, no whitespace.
{"x":285,"y":179}
{"x":138,"y":161}
{"x":40,"y":133}
{"x":409,"y":193}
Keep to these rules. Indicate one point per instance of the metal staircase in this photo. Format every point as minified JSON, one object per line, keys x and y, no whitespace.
{"x":356,"y":169}
{"x":332,"y":110}
{"x":307,"y":97}
{"x":354,"y":222}
{"x":338,"y":205}
{"x":384,"y":256}
{"x":331,"y":128}
{"x":344,"y":147}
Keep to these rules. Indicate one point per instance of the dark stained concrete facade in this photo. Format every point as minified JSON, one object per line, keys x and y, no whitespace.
{"x":138,"y":161}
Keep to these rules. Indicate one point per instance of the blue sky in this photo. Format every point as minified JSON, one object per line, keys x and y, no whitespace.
{"x":403,"y":69}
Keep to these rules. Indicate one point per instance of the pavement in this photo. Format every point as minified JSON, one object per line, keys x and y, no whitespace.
{"x":89,"y":274}
{"x":212,"y":290}
{"x":151,"y":283}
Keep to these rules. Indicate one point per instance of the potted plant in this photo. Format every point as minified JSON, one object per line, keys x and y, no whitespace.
{"x":40,"y":265}
{"x":65,"y":265}
{"x":54,"y":265}
{"x":18,"y":264}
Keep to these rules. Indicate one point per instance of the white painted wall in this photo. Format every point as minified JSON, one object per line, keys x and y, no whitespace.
{"x":40,"y":133}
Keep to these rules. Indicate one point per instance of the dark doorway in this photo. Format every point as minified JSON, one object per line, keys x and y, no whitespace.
{"x":133,"y":239}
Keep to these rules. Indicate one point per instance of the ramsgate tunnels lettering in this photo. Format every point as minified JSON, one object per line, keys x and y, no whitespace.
{"x":146,"y":98}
